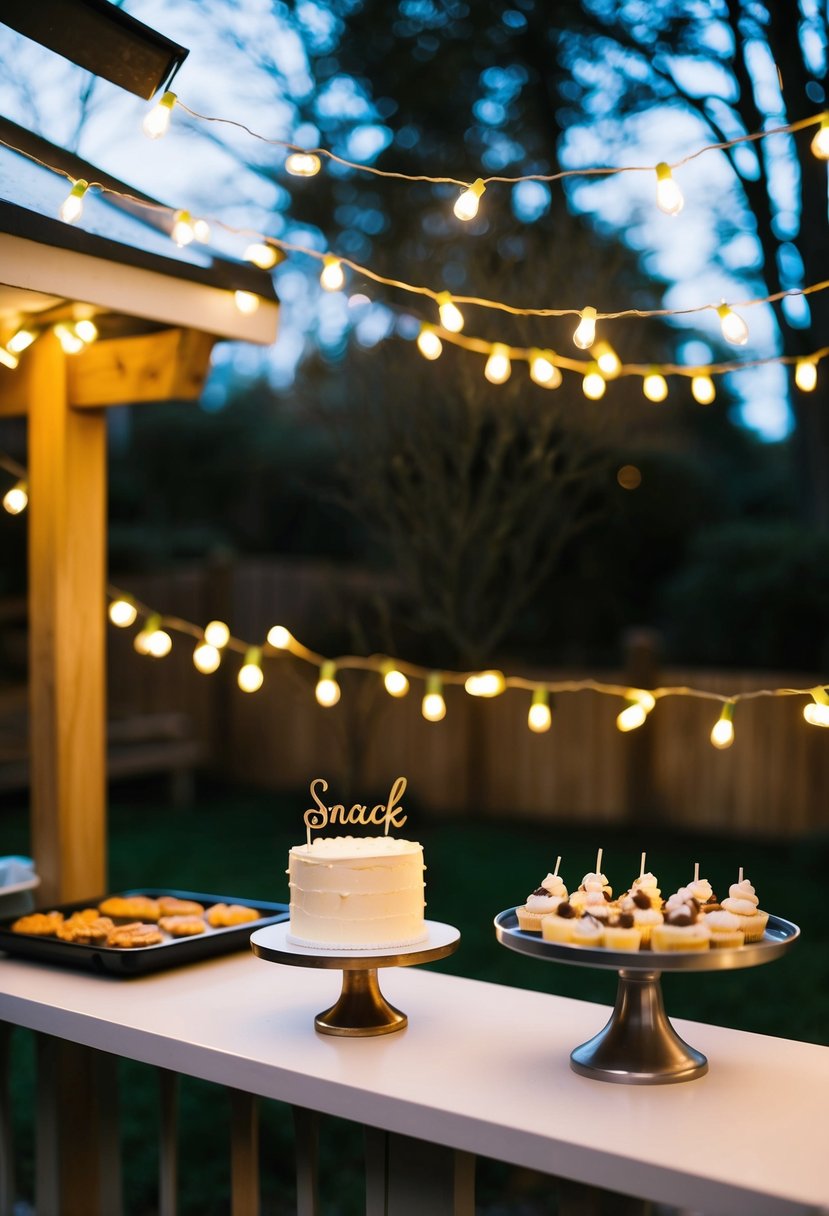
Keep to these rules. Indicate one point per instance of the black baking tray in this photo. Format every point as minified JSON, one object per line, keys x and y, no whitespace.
{"x":172,"y":952}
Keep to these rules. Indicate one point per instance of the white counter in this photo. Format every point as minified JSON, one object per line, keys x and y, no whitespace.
{"x":481,"y":1067}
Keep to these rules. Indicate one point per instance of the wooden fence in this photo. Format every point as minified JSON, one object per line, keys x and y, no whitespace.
{"x":481,"y":759}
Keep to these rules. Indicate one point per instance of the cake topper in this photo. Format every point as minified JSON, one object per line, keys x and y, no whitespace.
{"x":389,"y":813}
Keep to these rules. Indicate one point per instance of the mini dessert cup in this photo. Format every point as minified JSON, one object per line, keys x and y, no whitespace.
{"x":557,"y":929}
{"x":725,"y":929}
{"x":680,"y":937}
{"x":586,"y":932}
{"x":754,"y":926}
{"x":614,"y":937}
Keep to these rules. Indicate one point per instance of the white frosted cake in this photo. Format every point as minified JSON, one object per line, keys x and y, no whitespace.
{"x":356,"y":892}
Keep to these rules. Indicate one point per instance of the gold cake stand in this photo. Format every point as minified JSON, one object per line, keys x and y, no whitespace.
{"x":639,"y":1046}
{"x":361,"y":1010}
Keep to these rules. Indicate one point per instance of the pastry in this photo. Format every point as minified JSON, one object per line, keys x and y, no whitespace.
{"x":593,"y":883}
{"x":725,"y":930}
{"x":703,"y":892}
{"x":587,"y":931}
{"x":134,"y":935}
{"x":86,"y":928}
{"x":544,"y":900}
{"x":683,"y":929}
{"x":39,"y":924}
{"x":130,"y":907}
{"x":223,"y":916}
{"x":743,"y":903}
{"x":169,"y":905}
{"x":622,"y":933}
{"x":645,"y":916}
{"x":182,"y":926}
{"x":648,"y":884}
{"x":558,"y":926}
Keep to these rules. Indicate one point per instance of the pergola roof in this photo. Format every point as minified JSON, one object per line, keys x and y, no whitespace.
{"x":120,"y":259}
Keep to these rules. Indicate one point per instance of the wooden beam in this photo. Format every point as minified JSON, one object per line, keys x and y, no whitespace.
{"x":165,"y":366}
{"x":14,"y":390}
{"x":67,"y":579}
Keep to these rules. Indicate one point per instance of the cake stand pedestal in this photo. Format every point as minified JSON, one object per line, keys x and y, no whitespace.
{"x":639,"y":1046}
{"x":361,"y":1009}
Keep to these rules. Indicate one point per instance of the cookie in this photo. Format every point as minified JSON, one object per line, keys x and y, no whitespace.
{"x":170,"y":906}
{"x":128,"y":937}
{"x":222,"y":916}
{"x":39,"y":924}
{"x":86,"y":930}
{"x":130,"y":907}
{"x":182,"y":926}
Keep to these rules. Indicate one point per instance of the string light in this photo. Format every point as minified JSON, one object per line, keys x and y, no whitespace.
{"x":8,"y":358}
{"x":734,"y":328}
{"x":607,"y":361}
{"x":668,"y":194}
{"x":655,"y":386}
{"x":263,"y":256}
{"x":70,"y":341}
{"x":586,"y":329}
{"x":805,"y":375}
{"x":72,"y":206}
{"x":433,"y":706}
{"x":251,"y":677}
{"x":451,"y":317}
{"x":19,"y":341}
{"x":395,"y":681}
{"x":593,"y":385}
{"x":246,"y":302}
{"x":157,"y":120}
{"x":183,"y":232}
{"x":466,"y":206}
{"x":498,"y":367}
{"x":216,"y":634}
{"x":722,"y":732}
{"x":702,"y":389}
{"x":428,"y":343}
{"x":327,"y":691}
{"x":638,"y":704}
{"x":303,"y":164}
{"x":201,"y":231}
{"x":280,"y":638}
{"x":485,"y":684}
{"x":539,"y":716}
{"x":86,"y":330}
{"x":820,"y":140}
{"x":152,"y":640}
{"x":542,"y":369}
{"x":206,"y":658}
{"x":816,"y":711}
{"x":332,"y":277}
{"x":16,"y":498}
{"x":123,"y":612}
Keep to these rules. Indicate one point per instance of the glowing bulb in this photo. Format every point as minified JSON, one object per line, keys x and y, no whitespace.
{"x":86,"y":330}
{"x":279,"y":637}
{"x":183,"y":231}
{"x":206,"y":658}
{"x":805,"y":375}
{"x":216,"y":633}
{"x":8,"y":359}
{"x":540,"y":717}
{"x":19,"y":341}
{"x":734,"y":328}
{"x":816,"y":714}
{"x":722,"y":732}
{"x":646,"y":699}
{"x":333,"y":275}
{"x":542,"y":369}
{"x":122,"y":612}
{"x":251,"y":676}
{"x":16,"y":498}
{"x":466,"y":205}
{"x":433,"y":706}
{"x":153,"y":640}
{"x":593,"y":385}
{"x":303,"y":164}
{"x":633,"y":715}
{"x":668,"y":194}
{"x":263,"y":256}
{"x":820,"y":142}
{"x":396,"y":683}
{"x":498,"y":367}
{"x":327,"y":691}
{"x":70,"y":343}
{"x":201,"y":231}
{"x":485,"y":684}
{"x":607,"y":361}
{"x":72,"y":205}
{"x":428,"y":343}
{"x":246,"y":302}
{"x":702,"y":389}
{"x":655,"y":387}
{"x":451,"y":317}
{"x":157,"y":120}
{"x":586,"y":330}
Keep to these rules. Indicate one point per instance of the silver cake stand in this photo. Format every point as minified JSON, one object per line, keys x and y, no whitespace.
{"x":639,"y":1046}
{"x":361,"y":1010}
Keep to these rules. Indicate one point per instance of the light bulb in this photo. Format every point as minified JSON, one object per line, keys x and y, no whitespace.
{"x":816,"y":714}
{"x":668,"y":194}
{"x":540,"y":717}
{"x":655,"y":387}
{"x":206,"y":658}
{"x":451,"y":317}
{"x":72,"y":205}
{"x":433,"y":706}
{"x":8,"y":359}
{"x":633,"y":715}
{"x":485,"y":684}
{"x":722,"y":732}
{"x":333,"y":275}
{"x":607,"y":361}
{"x":16,"y":498}
{"x":646,"y":699}
{"x":805,"y":375}
{"x":86,"y":330}
{"x":19,"y":341}
{"x":122,"y":612}
{"x":498,"y":367}
{"x":466,"y":205}
{"x":303,"y":164}
{"x":246,"y":302}
{"x":593,"y":385}
{"x":279,"y":637}
{"x":153,"y":640}
{"x":542,"y":369}
{"x":428,"y":343}
{"x":183,"y":231}
{"x":820,"y":140}
{"x":327,"y":691}
{"x":216,"y":633}
{"x":157,"y":120}
{"x":70,"y":343}
{"x":702,"y":389}
{"x":396,"y":683}
{"x":586,"y":329}
{"x":201,"y":231}
{"x":263,"y":256}
{"x":734,"y":328}
{"x":251,"y":677}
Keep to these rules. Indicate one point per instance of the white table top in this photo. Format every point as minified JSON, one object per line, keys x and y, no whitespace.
{"x":481,"y":1067}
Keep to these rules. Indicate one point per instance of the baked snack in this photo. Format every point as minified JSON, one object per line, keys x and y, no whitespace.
{"x":558,"y":926}
{"x":725,"y":930}
{"x":645,"y":916}
{"x":743,"y":903}
{"x":169,"y":905}
{"x":134,"y":935}
{"x":39,"y":924}
{"x":358,"y":892}
{"x":182,"y":926}
{"x":86,"y":928}
{"x":622,"y":933}
{"x":647,"y":884}
{"x":587,"y":931}
{"x":225,"y":916}
{"x":544,"y":900}
{"x":683,"y":929}
{"x":130,"y":907}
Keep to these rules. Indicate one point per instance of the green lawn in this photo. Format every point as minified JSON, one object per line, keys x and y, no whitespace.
{"x":236,"y":843}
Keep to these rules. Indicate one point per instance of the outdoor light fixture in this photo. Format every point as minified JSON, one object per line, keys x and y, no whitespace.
{"x":303,"y":164}
{"x":428,"y":343}
{"x":396,"y":683}
{"x":216,"y":633}
{"x":70,"y":341}
{"x":183,"y":232}
{"x":820,"y":141}
{"x":327,"y":691}
{"x":21,"y":340}
{"x":498,"y":367}
{"x":251,"y":676}
{"x":153,"y":640}
{"x":668,"y":194}
{"x":655,"y":386}
{"x":485,"y":684}
{"x":542,"y":369}
{"x":246,"y":302}
{"x":593,"y":385}
{"x":8,"y":358}
{"x":805,"y":375}
{"x":206,"y":658}
{"x":734,"y":328}
{"x":722,"y":732}
{"x":433,"y":706}
{"x":72,"y":205}
{"x":702,"y":390}
{"x":157,"y":120}
{"x":332,"y":277}
{"x":263,"y":256}
{"x":123,"y":612}
{"x":607,"y":361}
{"x":451,"y":317}
{"x":16,"y":498}
{"x":466,"y":205}
{"x":540,"y":717}
{"x":279,"y":637}
{"x":586,"y":329}
{"x":639,"y":703}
